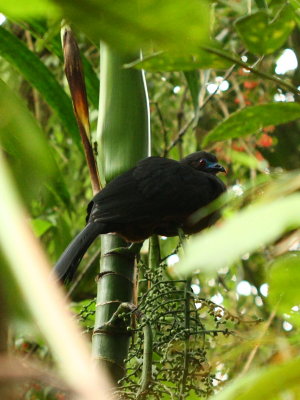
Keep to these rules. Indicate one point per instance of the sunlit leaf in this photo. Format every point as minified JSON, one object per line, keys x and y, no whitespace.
{"x":129,"y":24}
{"x":252,"y":119}
{"x":284,"y":281}
{"x":262,"y":36}
{"x":40,"y":77}
{"x":23,"y":8}
{"x":247,"y":231}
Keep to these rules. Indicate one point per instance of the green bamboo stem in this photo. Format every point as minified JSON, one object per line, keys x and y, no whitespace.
{"x":122,"y":140}
{"x":115,"y":286}
{"x":123,"y":135}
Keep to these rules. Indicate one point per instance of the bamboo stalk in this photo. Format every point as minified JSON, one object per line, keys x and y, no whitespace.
{"x":123,"y":139}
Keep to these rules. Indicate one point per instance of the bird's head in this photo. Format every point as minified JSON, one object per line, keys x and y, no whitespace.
{"x":203,"y":161}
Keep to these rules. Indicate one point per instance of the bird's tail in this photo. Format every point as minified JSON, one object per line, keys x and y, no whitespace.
{"x":68,"y":262}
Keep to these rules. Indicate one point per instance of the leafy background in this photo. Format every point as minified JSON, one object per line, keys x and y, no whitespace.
{"x":202,"y":94}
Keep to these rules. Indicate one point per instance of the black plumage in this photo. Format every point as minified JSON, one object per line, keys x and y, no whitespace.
{"x":155,"y":197}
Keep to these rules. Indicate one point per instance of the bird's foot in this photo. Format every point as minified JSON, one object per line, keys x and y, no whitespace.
{"x":182,"y":236}
{"x":130,"y":251}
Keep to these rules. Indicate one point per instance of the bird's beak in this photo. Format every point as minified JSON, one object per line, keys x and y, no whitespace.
{"x":215,"y":167}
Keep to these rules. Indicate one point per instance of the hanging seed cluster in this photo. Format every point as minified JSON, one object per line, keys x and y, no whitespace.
{"x":177,"y":328}
{"x":180,"y":339}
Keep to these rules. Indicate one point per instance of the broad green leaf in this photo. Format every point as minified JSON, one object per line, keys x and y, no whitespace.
{"x":262,"y":36}
{"x":27,"y":150}
{"x":174,"y":61}
{"x":264,"y":383}
{"x":284,"y":282}
{"x":32,"y":8}
{"x":40,"y":226}
{"x":246,"y":231}
{"x":129,"y":24}
{"x":40,"y":77}
{"x":252,"y":119}
{"x":23,"y":140}
{"x":296,"y":5}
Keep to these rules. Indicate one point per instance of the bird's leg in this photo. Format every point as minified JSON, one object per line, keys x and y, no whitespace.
{"x":181,"y":236}
{"x":131,"y":251}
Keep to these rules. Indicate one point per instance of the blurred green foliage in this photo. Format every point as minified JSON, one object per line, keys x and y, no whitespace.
{"x":251,"y":124}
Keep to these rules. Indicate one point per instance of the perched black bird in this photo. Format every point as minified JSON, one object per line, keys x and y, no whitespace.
{"x":155,"y":197}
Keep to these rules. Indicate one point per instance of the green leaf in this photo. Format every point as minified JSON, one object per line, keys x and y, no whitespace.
{"x":129,"y":24}
{"x":262,"y":36}
{"x":193,"y":81}
{"x":174,"y":61}
{"x":264,"y":383}
{"x":261,"y":3}
{"x":27,"y":149}
{"x":284,"y":282}
{"x":249,"y":229}
{"x":40,"y":226}
{"x":296,"y":5}
{"x":23,"y":8}
{"x":39,"y":76}
{"x":23,"y":140}
{"x":252,"y":119}
{"x":40,"y":30}
{"x":241,"y":158}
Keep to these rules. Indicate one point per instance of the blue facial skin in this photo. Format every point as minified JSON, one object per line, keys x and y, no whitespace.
{"x":213,"y":167}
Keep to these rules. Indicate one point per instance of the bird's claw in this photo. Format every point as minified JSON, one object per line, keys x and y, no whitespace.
{"x":130,"y":251}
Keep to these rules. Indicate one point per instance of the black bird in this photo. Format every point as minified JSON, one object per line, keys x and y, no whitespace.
{"x":157,"y":196}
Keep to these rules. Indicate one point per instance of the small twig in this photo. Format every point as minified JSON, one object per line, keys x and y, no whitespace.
{"x":35,"y":95}
{"x":238,"y":92}
{"x":163,"y":126}
{"x":185,"y":128}
{"x":181,"y":133}
{"x":256,"y":347}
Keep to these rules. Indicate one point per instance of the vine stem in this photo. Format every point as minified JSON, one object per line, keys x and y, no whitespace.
{"x":147,"y":361}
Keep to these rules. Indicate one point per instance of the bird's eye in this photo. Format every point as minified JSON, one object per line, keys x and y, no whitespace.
{"x":201,"y":163}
